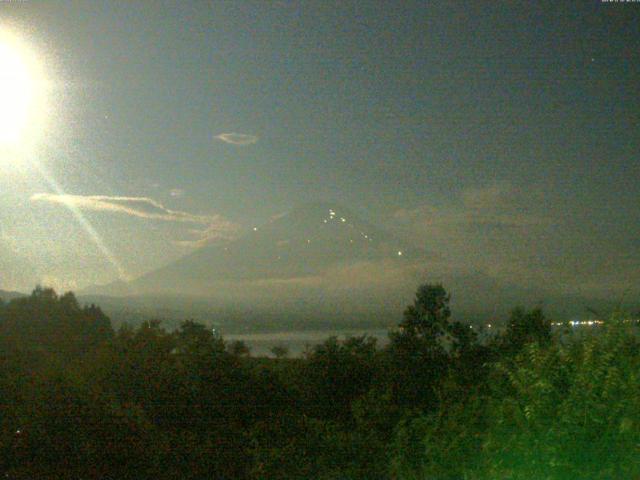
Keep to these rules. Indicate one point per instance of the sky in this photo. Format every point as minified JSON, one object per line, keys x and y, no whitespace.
{"x":504,"y":136}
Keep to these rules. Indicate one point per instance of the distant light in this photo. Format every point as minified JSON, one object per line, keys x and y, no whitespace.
{"x":255,"y":229}
{"x":325,"y":220}
{"x":489,"y":325}
{"x":399,"y":253}
{"x":308,"y":241}
{"x":342,"y":219}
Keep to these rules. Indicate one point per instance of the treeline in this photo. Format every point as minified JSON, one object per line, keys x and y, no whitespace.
{"x":79,"y":400}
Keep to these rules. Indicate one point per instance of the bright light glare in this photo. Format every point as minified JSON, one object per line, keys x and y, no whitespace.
{"x":20,"y":94}
{"x":16,"y":93}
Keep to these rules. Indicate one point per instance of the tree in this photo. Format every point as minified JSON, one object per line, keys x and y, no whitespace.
{"x":336,"y":372}
{"x":196,"y":339}
{"x":417,"y":352}
{"x":429,"y":315}
{"x":239,"y":348}
{"x":52,"y":328}
{"x":526,"y":327}
{"x":555,"y":411}
{"x":280,"y":351}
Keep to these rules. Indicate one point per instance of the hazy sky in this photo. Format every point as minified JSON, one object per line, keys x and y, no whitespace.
{"x":503,"y":135}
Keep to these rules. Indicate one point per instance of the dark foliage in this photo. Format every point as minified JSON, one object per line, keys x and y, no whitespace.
{"x":80,"y":401}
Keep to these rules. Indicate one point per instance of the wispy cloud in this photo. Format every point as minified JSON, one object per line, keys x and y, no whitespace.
{"x":142,"y":207}
{"x":218,"y":229}
{"x":239,"y":139}
{"x":498,"y":206}
{"x":499,"y":229}
{"x":214,"y":227}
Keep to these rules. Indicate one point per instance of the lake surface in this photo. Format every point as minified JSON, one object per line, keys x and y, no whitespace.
{"x":297,"y":341}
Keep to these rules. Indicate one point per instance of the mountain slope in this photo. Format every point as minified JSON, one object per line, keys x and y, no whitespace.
{"x":304,"y":243}
{"x":6,"y":296}
{"x":319,"y":261}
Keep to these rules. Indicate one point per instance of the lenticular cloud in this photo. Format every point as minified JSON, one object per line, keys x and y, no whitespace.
{"x":239,"y":139}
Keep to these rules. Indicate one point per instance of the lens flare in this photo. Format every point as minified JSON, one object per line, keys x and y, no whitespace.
{"x":22,"y":95}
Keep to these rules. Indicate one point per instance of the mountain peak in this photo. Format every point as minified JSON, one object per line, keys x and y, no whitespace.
{"x":303,"y":243}
{"x":319,"y":208}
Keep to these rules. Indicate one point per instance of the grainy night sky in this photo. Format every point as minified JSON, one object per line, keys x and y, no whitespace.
{"x":504,"y":136}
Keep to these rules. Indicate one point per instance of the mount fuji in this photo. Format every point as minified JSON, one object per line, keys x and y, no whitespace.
{"x":318,"y":257}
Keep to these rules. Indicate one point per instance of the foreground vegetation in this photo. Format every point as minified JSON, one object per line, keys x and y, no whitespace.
{"x":79,"y":400}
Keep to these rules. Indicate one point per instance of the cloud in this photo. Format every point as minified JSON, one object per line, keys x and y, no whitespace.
{"x":500,"y":230}
{"x":382,"y":274}
{"x":216,"y":227}
{"x":497,"y":206}
{"x":239,"y":139}
{"x":142,"y":207}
